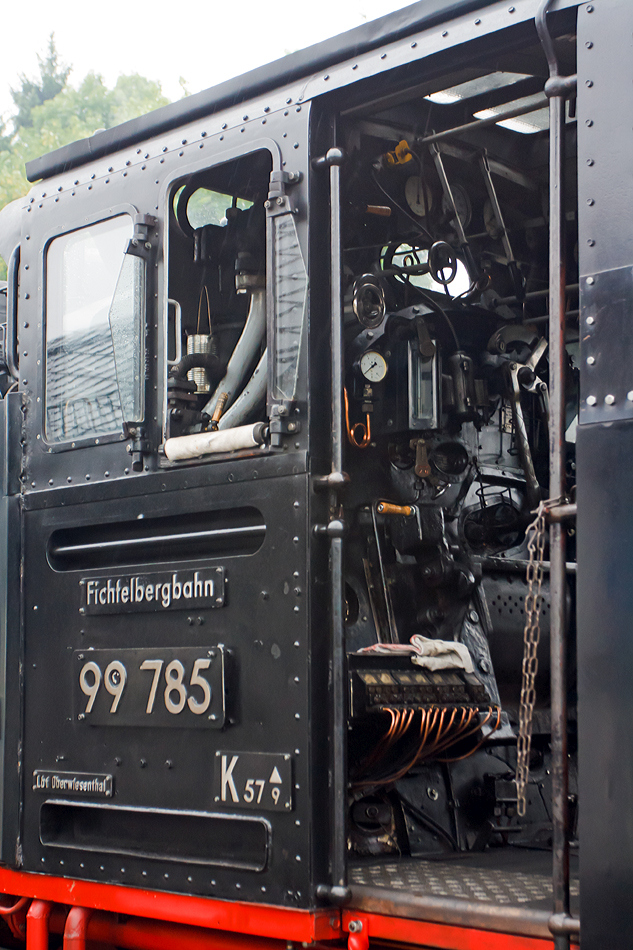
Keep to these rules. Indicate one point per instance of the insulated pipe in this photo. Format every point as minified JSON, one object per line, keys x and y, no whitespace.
{"x":252,"y":394}
{"x":211,"y":443}
{"x":76,"y":929}
{"x":244,"y":353}
{"x":37,"y":920}
{"x":557,"y":534}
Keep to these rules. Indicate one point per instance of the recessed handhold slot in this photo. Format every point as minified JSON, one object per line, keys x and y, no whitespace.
{"x":207,"y":534}
{"x":232,"y":841}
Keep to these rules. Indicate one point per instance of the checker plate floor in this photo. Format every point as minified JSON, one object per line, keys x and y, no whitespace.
{"x":471,"y":878}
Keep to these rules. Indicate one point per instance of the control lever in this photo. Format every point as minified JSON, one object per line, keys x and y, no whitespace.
{"x":473,"y":271}
{"x":517,"y":277}
{"x":422,"y":467}
{"x":426,"y":346}
{"x":520,"y":374}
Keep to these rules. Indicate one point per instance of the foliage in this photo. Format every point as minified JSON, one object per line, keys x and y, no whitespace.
{"x":34,"y":92}
{"x":50,"y":112}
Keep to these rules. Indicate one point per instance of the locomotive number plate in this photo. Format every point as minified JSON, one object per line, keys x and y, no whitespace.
{"x":174,"y":687}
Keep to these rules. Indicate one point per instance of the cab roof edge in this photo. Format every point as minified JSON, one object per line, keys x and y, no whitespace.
{"x":294,"y":66}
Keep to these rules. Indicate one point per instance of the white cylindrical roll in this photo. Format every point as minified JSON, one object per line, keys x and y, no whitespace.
{"x":208,"y":443}
{"x":251,"y":395}
{"x":244,"y":353}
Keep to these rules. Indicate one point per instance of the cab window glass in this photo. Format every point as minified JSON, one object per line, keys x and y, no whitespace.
{"x":82,"y":270}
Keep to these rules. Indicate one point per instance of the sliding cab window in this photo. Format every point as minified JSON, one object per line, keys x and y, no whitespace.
{"x":95,"y":303}
{"x":217,"y":290}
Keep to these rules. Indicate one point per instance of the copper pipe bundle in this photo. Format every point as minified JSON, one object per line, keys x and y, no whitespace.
{"x":440,"y":728}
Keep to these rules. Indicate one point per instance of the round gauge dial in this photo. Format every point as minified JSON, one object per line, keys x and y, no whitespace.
{"x":418,"y":195}
{"x":373,"y":366}
{"x":462,"y":204}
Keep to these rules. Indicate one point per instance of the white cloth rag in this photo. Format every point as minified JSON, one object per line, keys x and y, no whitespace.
{"x":428,"y":653}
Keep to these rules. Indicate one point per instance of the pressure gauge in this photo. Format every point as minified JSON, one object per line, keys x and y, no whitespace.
{"x":462,"y":205}
{"x":373,"y":366}
{"x":419,"y":196}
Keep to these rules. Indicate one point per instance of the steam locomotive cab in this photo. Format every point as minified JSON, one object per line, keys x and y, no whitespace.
{"x":281,"y":413}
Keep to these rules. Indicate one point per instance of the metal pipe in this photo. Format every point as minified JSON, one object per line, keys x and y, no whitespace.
{"x":37,"y":920}
{"x":533,"y":295}
{"x":457,"y":912}
{"x":334,"y":158}
{"x":560,"y":924}
{"x":538,"y":320}
{"x":558,"y":644}
{"x":562,"y":513}
{"x":557,"y":534}
{"x":482,"y":123}
{"x":137,"y":933}
{"x":76,"y":928}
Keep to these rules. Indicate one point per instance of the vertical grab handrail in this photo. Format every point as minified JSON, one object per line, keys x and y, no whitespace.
{"x":334,"y":158}
{"x":557,"y":89}
{"x":12,"y":312}
{"x":335,"y":530}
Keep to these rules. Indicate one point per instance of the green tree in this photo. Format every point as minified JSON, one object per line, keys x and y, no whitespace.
{"x":51,"y":113}
{"x":33,"y":92}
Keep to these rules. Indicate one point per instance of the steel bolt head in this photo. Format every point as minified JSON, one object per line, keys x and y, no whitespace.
{"x":591,"y":321}
{"x":591,"y":360}
{"x":609,"y":399}
{"x":629,"y":395}
{"x":591,"y":400}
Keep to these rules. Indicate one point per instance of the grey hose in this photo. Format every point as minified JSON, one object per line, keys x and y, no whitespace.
{"x":244,"y":353}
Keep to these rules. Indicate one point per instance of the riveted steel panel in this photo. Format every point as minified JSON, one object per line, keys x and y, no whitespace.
{"x":606,"y":332}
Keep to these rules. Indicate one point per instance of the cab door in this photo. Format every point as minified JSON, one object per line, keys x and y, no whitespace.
{"x":165,"y":597}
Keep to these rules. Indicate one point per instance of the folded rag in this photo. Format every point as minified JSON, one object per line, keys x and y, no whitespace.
{"x":428,"y":653}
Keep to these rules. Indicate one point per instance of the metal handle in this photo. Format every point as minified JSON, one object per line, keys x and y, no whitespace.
{"x":557,"y":366}
{"x":333,"y":159}
{"x":12,"y":312}
{"x":177,"y":330}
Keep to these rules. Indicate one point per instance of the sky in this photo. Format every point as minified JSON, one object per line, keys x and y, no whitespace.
{"x":203,"y":42}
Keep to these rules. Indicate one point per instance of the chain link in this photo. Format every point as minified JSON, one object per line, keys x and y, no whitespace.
{"x":531,"y":636}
